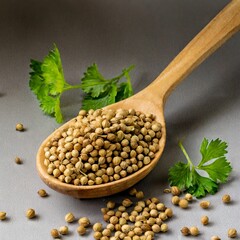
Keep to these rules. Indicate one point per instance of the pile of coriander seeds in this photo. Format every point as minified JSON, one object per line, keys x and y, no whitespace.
{"x":103,"y":146}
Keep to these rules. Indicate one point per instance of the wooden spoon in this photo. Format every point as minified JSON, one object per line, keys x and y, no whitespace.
{"x":152,"y":100}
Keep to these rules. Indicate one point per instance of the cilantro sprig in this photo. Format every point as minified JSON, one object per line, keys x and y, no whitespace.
{"x":204,"y":178}
{"x":48,"y":83}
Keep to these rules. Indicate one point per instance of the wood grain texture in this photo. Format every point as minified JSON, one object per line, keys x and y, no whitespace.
{"x":152,"y":100}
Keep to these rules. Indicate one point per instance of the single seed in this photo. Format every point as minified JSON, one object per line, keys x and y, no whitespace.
{"x":164,"y":227}
{"x":226,"y":198}
{"x":3,"y":215}
{"x":111,"y":204}
{"x":81,"y":230}
{"x":139,"y":195}
{"x":175,"y":191}
{"x":97,"y":227}
{"x":204,"y":220}
{"x":63,"y":230}
{"x":188,"y":197}
{"x":204,"y":204}
{"x":215,"y":238}
{"x":18,"y":160}
{"x":19,"y":127}
{"x":55,"y":233}
{"x":185,"y":231}
{"x":84,"y":221}
{"x":42,"y":193}
{"x":30,"y":213}
{"x":232,"y":232}
{"x":183,"y":203}
{"x":194,"y":231}
{"x":175,"y":200}
{"x":69,"y":217}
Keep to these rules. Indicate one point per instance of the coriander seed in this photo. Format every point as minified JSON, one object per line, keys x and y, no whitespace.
{"x":185,"y":231}
{"x":42,"y":193}
{"x":188,"y":197}
{"x":139,"y":195}
{"x":69,"y":217}
{"x":81,"y":230}
{"x":19,"y":127}
{"x":3,"y":215}
{"x":164,"y":227}
{"x":63,"y":230}
{"x":18,"y":160}
{"x":175,"y":200}
{"x":97,"y":227}
{"x":215,"y":238}
{"x":194,"y":231}
{"x":30,"y":213}
{"x":204,"y":204}
{"x":175,"y":191}
{"x":183,"y":203}
{"x":226,"y":198}
{"x":55,"y":233}
{"x":232,"y":232}
{"x":84,"y":221}
{"x":204,"y":220}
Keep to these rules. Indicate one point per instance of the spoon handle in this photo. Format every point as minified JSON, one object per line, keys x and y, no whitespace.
{"x":220,"y":29}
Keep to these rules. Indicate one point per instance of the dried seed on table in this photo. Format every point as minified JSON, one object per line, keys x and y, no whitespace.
{"x":194,"y":231}
{"x":19,"y":127}
{"x":63,"y":230}
{"x":226,"y":198}
{"x":42,"y":193}
{"x":204,"y":220}
{"x":30,"y":213}
{"x":69,"y":217}
{"x":3,"y":215}
{"x":55,"y":233}
{"x":81,"y":230}
{"x":232,"y":232}
{"x":204,"y":204}
{"x":18,"y":160}
{"x":185,"y":231}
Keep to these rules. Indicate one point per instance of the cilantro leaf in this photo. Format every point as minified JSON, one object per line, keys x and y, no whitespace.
{"x":93,"y":83}
{"x":213,"y":164}
{"x":47,"y":82}
{"x":101,"y":92}
{"x":101,"y":101}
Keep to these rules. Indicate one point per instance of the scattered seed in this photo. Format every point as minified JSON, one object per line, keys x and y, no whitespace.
{"x":215,"y":238}
{"x":188,"y":197}
{"x":185,"y":231}
{"x":204,"y":220}
{"x":3,"y":215}
{"x":63,"y":230}
{"x":42,"y":193}
{"x":55,"y":233}
{"x":175,"y":200}
{"x":81,"y":230}
{"x":30,"y":213}
{"x":175,"y":191}
{"x":84,"y":221}
{"x":19,"y":127}
{"x":194,"y":231}
{"x":69,"y":217}
{"x":204,"y":204}
{"x":226,"y":198}
{"x":183,"y":203}
{"x":18,"y":160}
{"x":232,"y":232}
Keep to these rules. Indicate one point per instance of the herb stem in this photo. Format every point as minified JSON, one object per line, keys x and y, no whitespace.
{"x":185,"y":153}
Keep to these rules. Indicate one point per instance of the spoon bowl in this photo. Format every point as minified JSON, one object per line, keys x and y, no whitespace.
{"x":152,"y":100}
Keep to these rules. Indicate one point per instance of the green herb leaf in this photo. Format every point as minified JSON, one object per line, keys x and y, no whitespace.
{"x":213,"y":163}
{"x":103,"y":100}
{"x":47,"y":82}
{"x":101,"y":92}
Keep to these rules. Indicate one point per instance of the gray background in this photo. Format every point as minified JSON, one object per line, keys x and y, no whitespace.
{"x":114,"y":34}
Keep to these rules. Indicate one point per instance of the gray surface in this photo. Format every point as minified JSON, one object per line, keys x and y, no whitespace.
{"x":114,"y":34}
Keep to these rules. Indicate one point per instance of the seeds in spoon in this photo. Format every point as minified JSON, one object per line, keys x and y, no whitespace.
{"x":97,"y":148}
